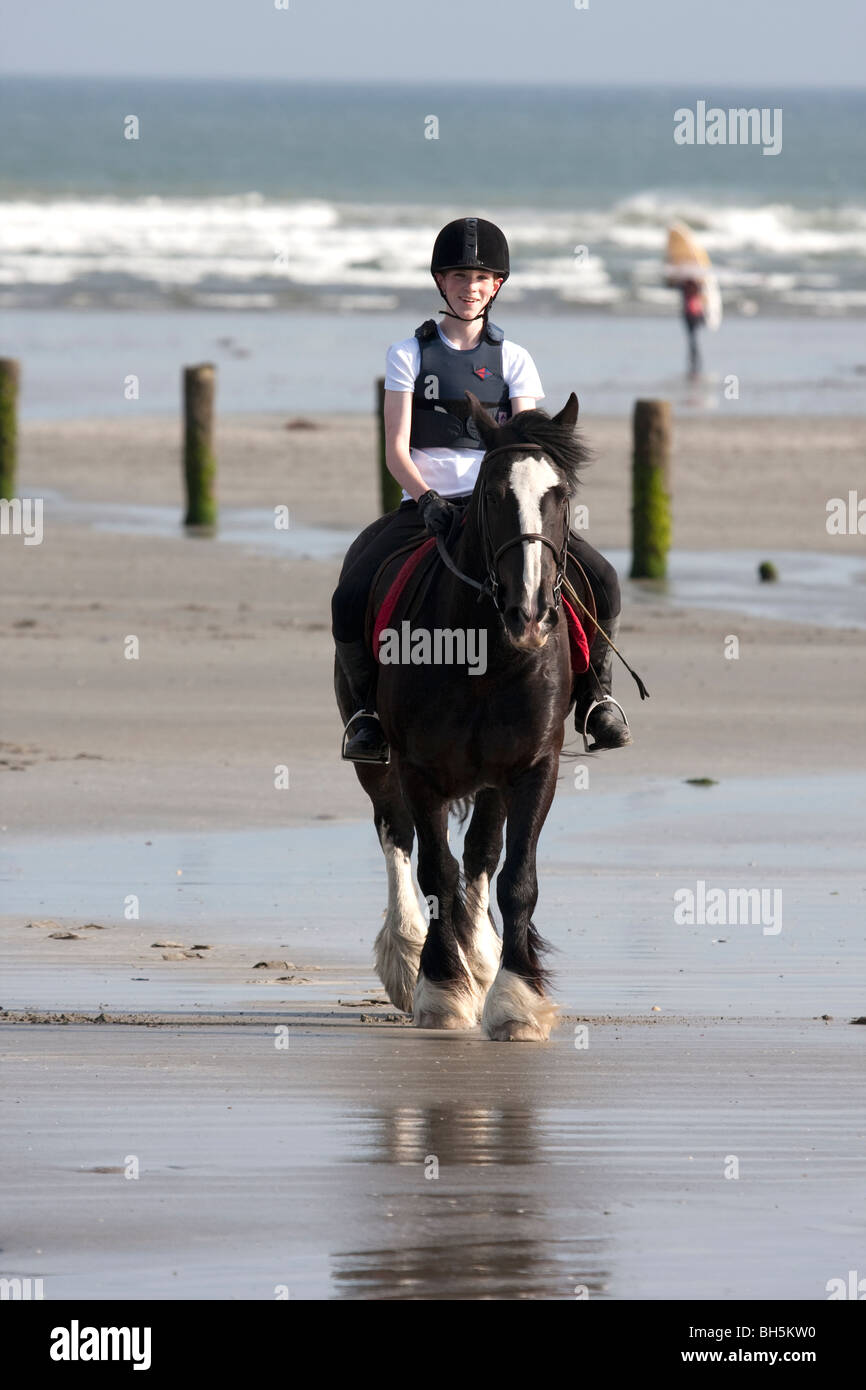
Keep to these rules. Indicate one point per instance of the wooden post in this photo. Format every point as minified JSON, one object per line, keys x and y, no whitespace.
{"x":10,"y":376}
{"x":389,"y":489}
{"x":199,"y":460}
{"x":651,"y":490}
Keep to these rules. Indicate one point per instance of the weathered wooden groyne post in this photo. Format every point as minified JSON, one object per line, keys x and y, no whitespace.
{"x":10,"y":377}
{"x":199,"y":458}
{"x":390,"y":491}
{"x":651,"y":490}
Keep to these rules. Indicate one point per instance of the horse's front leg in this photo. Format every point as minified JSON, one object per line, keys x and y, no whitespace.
{"x":517,"y":1008}
{"x":445,"y":994}
{"x":398,"y":945}
{"x":481,"y":854}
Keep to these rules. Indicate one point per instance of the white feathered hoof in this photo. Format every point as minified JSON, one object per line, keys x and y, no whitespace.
{"x":450,"y":1006}
{"x":398,"y":957}
{"x":514,"y":1012}
{"x":482,"y":956}
{"x":484,"y":947}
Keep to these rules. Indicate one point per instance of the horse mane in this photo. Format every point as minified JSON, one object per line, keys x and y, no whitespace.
{"x":564,"y":444}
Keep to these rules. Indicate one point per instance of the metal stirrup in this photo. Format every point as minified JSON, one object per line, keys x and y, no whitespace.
{"x":605,"y":700}
{"x":361,"y":714}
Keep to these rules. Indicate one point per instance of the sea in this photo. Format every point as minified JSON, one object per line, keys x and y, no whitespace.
{"x":283,"y":231}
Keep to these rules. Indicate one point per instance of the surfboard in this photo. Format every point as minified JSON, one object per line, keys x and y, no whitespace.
{"x":687,"y":260}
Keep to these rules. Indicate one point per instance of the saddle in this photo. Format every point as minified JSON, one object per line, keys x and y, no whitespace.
{"x":399,"y":585}
{"x":402,"y":582}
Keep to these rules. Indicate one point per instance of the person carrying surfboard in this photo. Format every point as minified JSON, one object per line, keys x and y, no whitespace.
{"x":689,"y":271}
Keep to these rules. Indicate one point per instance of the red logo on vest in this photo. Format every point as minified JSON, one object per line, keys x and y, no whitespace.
{"x":483,"y":372}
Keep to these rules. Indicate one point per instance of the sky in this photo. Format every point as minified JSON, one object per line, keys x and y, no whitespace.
{"x":749,"y":43}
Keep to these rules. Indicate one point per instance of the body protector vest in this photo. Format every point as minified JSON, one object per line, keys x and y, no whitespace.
{"x":440,"y":411}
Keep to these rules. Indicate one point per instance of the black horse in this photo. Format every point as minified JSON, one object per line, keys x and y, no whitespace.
{"x":494,"y":736}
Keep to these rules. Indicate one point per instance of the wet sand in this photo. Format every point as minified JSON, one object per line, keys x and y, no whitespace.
{"x":240,"y":922}
{"x":558,"y":1169}
{"x":559,"y":1166}
{"x":594,"y":1163}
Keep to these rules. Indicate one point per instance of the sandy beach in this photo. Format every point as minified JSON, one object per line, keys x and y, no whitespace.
{"x":211,"y":1106}
{"x":236,"y":656}
{"x":258,"y":907}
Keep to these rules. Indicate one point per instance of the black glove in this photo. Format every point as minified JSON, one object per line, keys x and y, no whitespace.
{"x":436,"y":513}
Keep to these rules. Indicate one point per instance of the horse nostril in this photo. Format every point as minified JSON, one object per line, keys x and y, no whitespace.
{"x":518,"y":614}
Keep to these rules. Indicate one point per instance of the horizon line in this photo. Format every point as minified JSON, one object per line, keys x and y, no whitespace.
{"x":380,"y":82}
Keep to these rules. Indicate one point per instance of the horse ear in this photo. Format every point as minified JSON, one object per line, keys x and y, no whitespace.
{"x":568,"y":415}
{"x":487,"y":426}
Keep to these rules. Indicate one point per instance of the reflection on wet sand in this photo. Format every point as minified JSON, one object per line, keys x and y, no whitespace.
{"x":461,"y":1233}
{"x":605,"y":1173}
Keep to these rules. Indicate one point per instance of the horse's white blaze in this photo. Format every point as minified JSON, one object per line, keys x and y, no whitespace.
{"x":515,"y":1013}
{"x":530,"y":479}
{"x":445,"y":1005}
{"x":398,"y":945}
{"x":485,"y":947}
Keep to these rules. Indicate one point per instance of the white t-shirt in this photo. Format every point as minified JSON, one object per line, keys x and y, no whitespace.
{"x":451,"y":472}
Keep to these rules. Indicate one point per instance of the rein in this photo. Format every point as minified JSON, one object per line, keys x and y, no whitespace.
{"x":490,"y":587}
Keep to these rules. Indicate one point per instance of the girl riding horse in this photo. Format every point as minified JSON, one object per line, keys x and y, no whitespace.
{"x":488,"y":738}
{"x":434,"y":450}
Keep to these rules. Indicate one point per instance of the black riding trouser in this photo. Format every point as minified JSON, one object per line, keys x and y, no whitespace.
{"x":349,"y":603}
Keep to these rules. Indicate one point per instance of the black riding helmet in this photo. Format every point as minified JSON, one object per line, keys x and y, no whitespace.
{"x":470,"y":243}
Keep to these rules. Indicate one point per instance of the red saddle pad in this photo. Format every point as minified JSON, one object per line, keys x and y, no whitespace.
{"x":577,"y":642}
{"x":392,"y":598}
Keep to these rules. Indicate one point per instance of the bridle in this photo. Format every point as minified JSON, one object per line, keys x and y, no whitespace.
{"x":491,"y":584}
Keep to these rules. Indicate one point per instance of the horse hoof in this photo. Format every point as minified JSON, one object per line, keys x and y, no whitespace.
{"x":515,"y":1012}
{"x":454,"y":1022}
{"x":444,"y":1006}
{"x":514,"y":1030}
{"x":397,"y":956}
